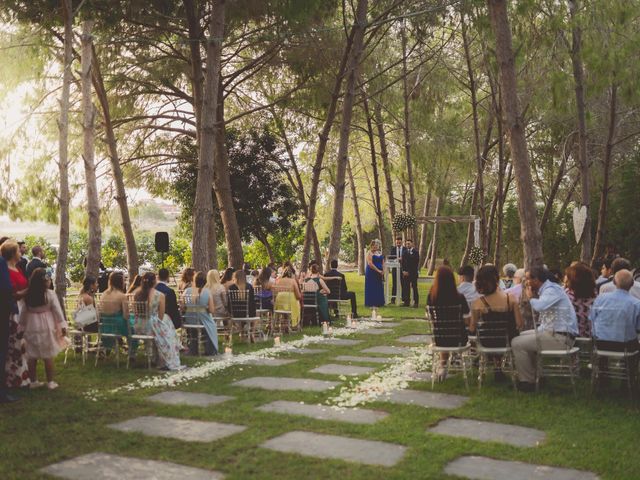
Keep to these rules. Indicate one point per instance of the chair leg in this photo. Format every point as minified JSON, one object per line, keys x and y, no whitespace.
{"x":481,"y":366}
{"x":464,"y":371}
{"x":433,"y":369}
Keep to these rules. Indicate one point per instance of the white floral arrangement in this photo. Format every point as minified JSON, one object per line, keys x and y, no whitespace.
{"x":476,"y":256}
{"x":403,"y":221}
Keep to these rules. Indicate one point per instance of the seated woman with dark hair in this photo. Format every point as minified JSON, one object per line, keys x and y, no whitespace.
{"x":446,"y":304}
{"x":265,"y":294}
{"x":494,"y":307}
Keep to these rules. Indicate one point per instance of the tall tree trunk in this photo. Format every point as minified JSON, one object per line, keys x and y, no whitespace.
{"x":63,"y":152}
{"x":434,"y":240}
{"x":345,"y":129}
{"x":203,"y":205}
{"x":548,"y":208}
{"x":222,"y":182}
{"x":606,"y":172}
{"x":501,"y":190}
{"x":356,"y":214}
{"x":386,"y":165}
{"x":480,"y":205}
{"x":265,"y":241}
{"x":88,"y":118}
{"x":529,"y":229}
{"x":374,"y":171}
{"x":322,"y":147}
{"x":585,"y":178}
{"x":116,"y":170}
{"x":407,"y":129}
{"x":195,"y":59}
{"x":422,"y":249}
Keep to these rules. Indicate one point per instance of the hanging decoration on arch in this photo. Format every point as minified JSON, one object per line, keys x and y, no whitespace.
{"x":403,"y":221}
{"x":476,"y":256}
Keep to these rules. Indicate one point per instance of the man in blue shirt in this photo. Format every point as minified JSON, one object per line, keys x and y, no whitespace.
{"x":557,"y":328}
{"x":615,"y":316}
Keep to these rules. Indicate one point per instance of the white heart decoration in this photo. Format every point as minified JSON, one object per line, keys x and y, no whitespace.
{"x":579,"y":220}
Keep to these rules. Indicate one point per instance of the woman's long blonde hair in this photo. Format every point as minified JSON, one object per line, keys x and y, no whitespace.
{"x":213,"y":279}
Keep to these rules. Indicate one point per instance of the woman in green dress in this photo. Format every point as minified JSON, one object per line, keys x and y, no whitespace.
{"x":114,"y":311}
{"x":321,"y":290}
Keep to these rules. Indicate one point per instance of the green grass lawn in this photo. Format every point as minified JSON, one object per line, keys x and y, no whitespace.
{"x":598,"y":434}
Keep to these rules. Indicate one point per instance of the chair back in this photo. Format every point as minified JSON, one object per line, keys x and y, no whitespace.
{"x":239,"y":303}
{"x":447,"y":325}
{"x":257,"y":296}
{"x":108,"y":322}
{"x":139,"y":312}
{"x":334,"y":284}
{"x":611,"y":318}
{"x":554,"y":319}
{"x":495,"y":328}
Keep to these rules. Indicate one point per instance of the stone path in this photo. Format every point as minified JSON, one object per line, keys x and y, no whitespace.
{"x":415,"y":338}
{"x":271,"y":362}
{"x":341,"y":342}
{"x":489,"y":432}
{"x":425,"y":399}
{"x":337,"y":369}
{"x":104,"y":466}
{"x":491,"y":469}
{"x":307,"y":351}
{"x":376,"y":331}
{"x":324,"y":412}
{"x":189,"y":398}
{"x":286,"y":383}
{"x":335,"y":447}
{"x":353,"y":358}
{"x":388,"y":350}
{"x":185,"y":430}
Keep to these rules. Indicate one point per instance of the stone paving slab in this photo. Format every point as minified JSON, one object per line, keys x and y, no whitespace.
{"x":324,"y":412}
{"x":482,"y":468}
{"x":286,"y":383}
{"x":341,"y":341}
{"x":307,"y":351}
{"x":271,"y":362}
{"x":334,"y":447}
{"x":353,"y":358}
{"x":185,"y":430}
{"x":337,"y":369}
{"x":189,"y":398}
{"x":415,"y":338}
{"x":489,"y":432}
{"x":104,"y":466}
{"x":387,"y":350}
{"x":376,"y":331}
{"x":425,"y":399}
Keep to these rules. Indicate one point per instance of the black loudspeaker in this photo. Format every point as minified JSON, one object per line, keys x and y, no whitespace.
{"x":162,"y":242}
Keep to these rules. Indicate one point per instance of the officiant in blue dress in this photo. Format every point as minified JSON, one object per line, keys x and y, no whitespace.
{"x":374,"y":276}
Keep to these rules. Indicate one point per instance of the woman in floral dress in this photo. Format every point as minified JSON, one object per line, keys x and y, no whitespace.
{"x":16,"y":366}
{"x":161,"y":325}
{"x":580,"y":286}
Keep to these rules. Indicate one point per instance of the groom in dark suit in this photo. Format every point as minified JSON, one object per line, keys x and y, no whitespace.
{"x":171,"y":301}
{"x":396,"y":251}
{"x":410,"y":262}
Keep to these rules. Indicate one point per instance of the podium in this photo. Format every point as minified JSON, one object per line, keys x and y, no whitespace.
{"x":392,"y":267}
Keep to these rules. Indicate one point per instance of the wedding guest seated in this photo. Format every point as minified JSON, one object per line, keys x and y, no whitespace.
{"x":466,"y":286}
{"x":509,"y":271}
{"x":227,"y":277}
{"x":239,"y":282}
{"x":581,"y":289}
{"x":218,"y":294}
{"x":443,"y":293}
{"x":171,"y":301}
{"x":186,"y":279}
{"x":87,"y":300}
{"x":318,"y":285}
{"x":44,"y":325}
{"x":497,"y":306}
{"x":516,"y":288}
{"x":342,"y":292}
{"x":617,"y":265}
{"x":558,"y":325}
{"x":137,"y":280}
{"x":199,"y":296}
{"x":114,"y":311}
{"x":266,"y":293}
{"x":605,"y":272}
{"x":288,"y":296}
{"x":615,"y":318}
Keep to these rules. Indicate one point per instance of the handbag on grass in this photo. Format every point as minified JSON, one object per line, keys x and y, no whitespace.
{"x":85,"y":316}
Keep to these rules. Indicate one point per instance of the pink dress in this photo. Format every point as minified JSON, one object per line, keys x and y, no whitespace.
{"x":43,"y":328}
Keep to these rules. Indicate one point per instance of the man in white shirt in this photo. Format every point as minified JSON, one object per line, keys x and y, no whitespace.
{"x":617,"y":265}
{"x":516,"y":289}
{"x":396,"y":251}
{"x":466,"y":286}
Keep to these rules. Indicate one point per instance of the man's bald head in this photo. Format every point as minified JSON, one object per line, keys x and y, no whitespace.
{"x":623,"y":279}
